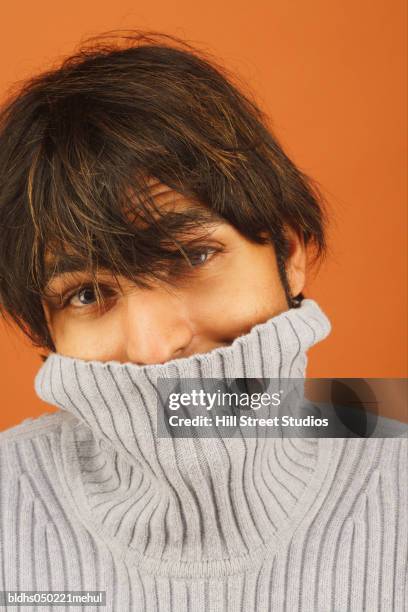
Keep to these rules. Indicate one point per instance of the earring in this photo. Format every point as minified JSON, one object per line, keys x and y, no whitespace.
{"x":295,"y":302}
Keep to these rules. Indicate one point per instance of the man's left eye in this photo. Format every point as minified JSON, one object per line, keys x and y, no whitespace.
{"x":198,"y":258}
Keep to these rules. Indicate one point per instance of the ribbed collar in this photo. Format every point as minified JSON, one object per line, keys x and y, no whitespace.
{"x":189,"y":507}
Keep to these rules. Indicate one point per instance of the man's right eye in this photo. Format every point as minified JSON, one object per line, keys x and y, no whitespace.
{"x":85,"y":292}
{"x":84,"y":296}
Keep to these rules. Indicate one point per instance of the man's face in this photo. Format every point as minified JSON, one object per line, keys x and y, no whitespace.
{"x":225,"y":295}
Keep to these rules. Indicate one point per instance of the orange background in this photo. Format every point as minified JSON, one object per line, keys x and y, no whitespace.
{"x":332,"y":76}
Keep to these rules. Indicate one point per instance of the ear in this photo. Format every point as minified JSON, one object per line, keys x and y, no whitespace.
{"x":296,"y":262}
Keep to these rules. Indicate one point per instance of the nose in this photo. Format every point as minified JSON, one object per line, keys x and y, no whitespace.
{"x":157,"y":328}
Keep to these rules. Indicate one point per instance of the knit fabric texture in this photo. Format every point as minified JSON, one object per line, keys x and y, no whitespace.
{"x":92,"y":499}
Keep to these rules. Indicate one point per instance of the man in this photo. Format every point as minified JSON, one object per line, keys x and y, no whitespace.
{"x":153,"y":228}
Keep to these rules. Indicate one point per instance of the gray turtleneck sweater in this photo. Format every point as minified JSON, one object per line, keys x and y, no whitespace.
{"x":92,"y":499}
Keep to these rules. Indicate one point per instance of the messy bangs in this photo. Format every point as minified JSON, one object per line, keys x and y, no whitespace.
{"x":131,"y":236}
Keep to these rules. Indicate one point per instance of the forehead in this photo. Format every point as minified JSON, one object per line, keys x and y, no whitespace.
{"x":165,"y":198}
{"x":161,"y":193}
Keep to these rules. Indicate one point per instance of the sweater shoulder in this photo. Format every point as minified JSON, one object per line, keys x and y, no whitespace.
{"x":32,"y":427}
{"x":20,"y":450}
{"x":27,"y":468}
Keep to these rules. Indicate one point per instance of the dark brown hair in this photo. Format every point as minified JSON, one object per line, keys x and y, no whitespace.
{"x":78,"y":142}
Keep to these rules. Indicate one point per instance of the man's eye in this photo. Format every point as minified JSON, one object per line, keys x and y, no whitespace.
{"x":199,"y":258}
{"x":85,"y":296}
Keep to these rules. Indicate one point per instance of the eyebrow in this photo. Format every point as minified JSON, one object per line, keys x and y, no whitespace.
{"x":65,"y":264}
